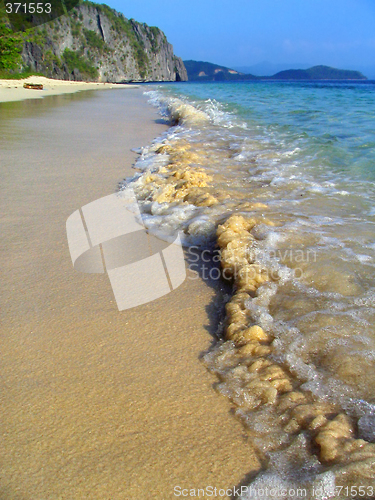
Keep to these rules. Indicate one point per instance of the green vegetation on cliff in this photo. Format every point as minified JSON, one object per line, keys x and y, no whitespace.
{"x":93,"y":40}
{"x":10,"y":49}
{"x":75,"y":61}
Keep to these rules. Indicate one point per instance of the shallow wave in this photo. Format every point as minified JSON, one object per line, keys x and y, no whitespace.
{"x":298,"y":342}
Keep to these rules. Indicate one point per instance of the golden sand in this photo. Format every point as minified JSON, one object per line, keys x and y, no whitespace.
{"x":13,"y":90}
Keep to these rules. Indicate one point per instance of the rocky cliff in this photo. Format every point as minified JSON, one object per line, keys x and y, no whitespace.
{"x":94,"y":42}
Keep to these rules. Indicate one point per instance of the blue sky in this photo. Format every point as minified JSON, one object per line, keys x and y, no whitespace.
{"x":338,"y":33}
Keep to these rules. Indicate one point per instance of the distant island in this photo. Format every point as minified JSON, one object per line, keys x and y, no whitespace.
{"x":205,"y":71}
{"x":318,"y":73}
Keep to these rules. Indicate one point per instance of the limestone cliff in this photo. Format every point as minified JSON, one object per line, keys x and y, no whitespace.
{"x":94,"y":42}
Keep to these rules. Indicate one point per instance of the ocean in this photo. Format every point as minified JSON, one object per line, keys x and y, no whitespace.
{"x":277,"y":181}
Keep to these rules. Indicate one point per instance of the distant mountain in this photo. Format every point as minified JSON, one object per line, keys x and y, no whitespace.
{"x":205,"y":71}
{"x":266,"y":68}
{"x":318,"y":73}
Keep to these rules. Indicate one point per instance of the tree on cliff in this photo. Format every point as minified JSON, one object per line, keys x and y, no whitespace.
{"x":10,"y":49}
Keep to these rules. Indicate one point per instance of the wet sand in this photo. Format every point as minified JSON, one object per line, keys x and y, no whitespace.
{"x":96,"y":403}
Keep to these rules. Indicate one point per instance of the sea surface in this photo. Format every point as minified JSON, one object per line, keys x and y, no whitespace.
{"x":297,"y":159}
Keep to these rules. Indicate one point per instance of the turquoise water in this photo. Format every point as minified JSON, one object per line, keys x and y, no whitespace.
{"x":299,"y":159}
{"x":332,"y":123}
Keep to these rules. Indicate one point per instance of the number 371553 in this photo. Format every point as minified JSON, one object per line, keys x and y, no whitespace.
{"x":28,"y":8}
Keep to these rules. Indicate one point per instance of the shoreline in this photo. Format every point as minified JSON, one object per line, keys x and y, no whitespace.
{"x":12,"y":90}
{"x":98,"y":402}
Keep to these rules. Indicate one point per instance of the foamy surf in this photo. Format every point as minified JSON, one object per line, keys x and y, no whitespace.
{"x":298,"y":342}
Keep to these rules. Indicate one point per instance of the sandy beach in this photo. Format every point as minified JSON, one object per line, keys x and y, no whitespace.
{"x":13,"y":90}
{"x":97,"y":403}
